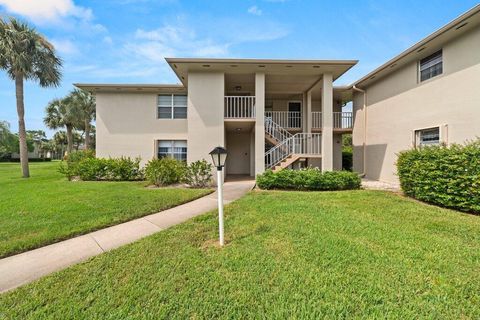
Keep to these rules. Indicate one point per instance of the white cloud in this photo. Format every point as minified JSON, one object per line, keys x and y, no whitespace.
{"x":65,"y":46}
{"x":255,"y":11}
{"x":107,"y":40}
{"x":170,"y":41}
{"x":44,"y":11}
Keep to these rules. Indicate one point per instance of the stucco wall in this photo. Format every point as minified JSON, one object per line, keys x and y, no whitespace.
{"x":127,"y":125}
{"x":398,"y":104}
{"x":205,"y":114}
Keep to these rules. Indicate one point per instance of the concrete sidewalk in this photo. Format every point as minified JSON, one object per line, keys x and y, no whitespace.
{"x":31,"y":265}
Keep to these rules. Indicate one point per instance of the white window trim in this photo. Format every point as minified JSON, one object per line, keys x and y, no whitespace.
{"x":419,"y":72}
{"x":171,"y":106}
{"x":172,"y":141}
{"x":442,"y":130}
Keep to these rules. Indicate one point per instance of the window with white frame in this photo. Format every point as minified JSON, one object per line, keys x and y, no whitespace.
{"x":427,"y":137}
{"x":172,"y":106}
{"x":431,"y":66}
{"x":176,"y":149}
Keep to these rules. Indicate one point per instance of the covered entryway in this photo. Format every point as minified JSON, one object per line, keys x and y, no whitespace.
{"x":239,"y":143}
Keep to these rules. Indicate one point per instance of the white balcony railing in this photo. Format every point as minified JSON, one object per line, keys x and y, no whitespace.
{"x":341,"y":120}
{"x":286,"y":119}
{"x":239,"y":107}
{"x":316,"y":120}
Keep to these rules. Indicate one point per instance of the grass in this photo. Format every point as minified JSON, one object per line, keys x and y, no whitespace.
{"x":307,"y":255}
{"x":47,"y":208}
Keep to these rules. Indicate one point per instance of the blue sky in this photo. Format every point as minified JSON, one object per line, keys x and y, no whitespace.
{"x":125,"y":41}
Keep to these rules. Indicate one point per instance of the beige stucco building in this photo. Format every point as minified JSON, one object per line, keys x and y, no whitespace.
{"x":266,"y":113}
{"x":428,"y":94}
{"x":287,"y":113}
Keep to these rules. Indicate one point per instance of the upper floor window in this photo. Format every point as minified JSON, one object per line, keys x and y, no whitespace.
{"x":431,"y":66}
{"x":176,"y":149}
{"x":427,"y":137}
{"x":172,"y":106}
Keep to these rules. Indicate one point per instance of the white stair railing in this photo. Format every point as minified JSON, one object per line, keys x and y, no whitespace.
{"x":276,"y":131}
{"x":239,"y":107}
{"x":300,"y":143}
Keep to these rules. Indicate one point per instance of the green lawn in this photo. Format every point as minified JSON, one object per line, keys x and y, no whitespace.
{"x":351,"y":254}
{"x":48,"y":208}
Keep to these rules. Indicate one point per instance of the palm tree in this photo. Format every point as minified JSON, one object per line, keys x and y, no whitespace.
{"x":84,"y":102}
{"x":26,"y":55}
{"x":61,"y":113}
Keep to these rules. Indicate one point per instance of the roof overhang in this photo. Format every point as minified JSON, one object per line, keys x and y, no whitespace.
{"x":182,"y":66}
{"x":112,"y":87}
{"x":425,"y":47}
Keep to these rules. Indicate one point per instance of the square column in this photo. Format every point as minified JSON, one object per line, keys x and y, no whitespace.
{"x":304,"y":112}
{"x":259,"y":123}
{"x":327,"y":122}
{"x":309,"y":111}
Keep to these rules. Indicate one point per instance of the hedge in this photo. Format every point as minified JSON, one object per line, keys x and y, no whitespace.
{"x":445,"y":176}
{"x":29,"y":159}
{"x":308,"y":179}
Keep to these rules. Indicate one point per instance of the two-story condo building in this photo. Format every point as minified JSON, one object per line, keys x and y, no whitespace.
{"x":272,"y":114}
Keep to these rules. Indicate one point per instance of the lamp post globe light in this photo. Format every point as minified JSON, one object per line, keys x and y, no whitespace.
{"x":219,"y":155}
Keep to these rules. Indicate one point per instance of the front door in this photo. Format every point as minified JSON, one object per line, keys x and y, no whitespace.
{"x":294,"y":112}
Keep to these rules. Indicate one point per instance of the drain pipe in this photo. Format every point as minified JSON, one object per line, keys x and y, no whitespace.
{"x":364,"y":129}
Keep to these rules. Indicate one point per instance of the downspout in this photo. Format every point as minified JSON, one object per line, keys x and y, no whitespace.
{"x":364,"y":129}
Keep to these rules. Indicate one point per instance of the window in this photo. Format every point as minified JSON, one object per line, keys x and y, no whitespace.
{"x":427,"y":137}
{"x":431,"y":66}
{"x":176,"y":149}
{"x":172,"y":106}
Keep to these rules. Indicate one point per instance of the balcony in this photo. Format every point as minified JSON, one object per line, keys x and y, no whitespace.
{"x":286,"y":119}
{"x":341,"y":120}
{"x":239,"y":107}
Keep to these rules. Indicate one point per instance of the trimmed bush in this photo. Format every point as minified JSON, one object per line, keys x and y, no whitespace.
{"x":308,"y":179}
{"x":69,"y":166}
{"x":84,"y":165}
{"x":445,"y":176}
{"x":164,"y":171}
{"x":198,"y":174}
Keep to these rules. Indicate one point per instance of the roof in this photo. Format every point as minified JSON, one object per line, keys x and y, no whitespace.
{"x":425,"y":47}
{"x":115,"y":87}
{"x":182,"y":66}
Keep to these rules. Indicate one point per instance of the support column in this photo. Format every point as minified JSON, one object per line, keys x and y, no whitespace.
{"x":327,"y":122}
{"x":309,"y":111}
{"x":304,"y":112}
{"x":259,"y":123}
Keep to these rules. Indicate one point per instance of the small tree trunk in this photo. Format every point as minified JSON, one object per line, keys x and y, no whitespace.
{"x":22,"y":133}
{"x":69,"y":139}
{"x":87,"y":134}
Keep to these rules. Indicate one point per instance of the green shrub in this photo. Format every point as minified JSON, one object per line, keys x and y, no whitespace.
{"x":69,"y":166}
{"x":84,"y":165}
{"x":198,"y":174}
{"x":164,"y":171}
{"x":124,"y":169}
{"x":445,"y":176}
{"x":308,"y":179}
{"x":91,"y":169}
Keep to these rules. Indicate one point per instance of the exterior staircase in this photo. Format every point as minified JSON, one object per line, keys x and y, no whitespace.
{"x":288,"y":148}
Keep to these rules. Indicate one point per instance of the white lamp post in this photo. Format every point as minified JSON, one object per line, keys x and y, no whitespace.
{"x":219,"y":155}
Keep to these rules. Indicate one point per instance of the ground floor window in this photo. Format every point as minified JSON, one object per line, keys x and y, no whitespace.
{"x":176,"y":149}
{"x":427,"y":137}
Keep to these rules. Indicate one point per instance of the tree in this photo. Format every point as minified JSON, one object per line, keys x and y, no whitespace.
{"x":7,"y":140}
{"x":84,"y":102}
{"x":60,"y":113}
{"x":26,"y":55}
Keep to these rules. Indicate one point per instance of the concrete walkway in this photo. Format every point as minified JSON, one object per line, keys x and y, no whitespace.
{"x":31,"y":265}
